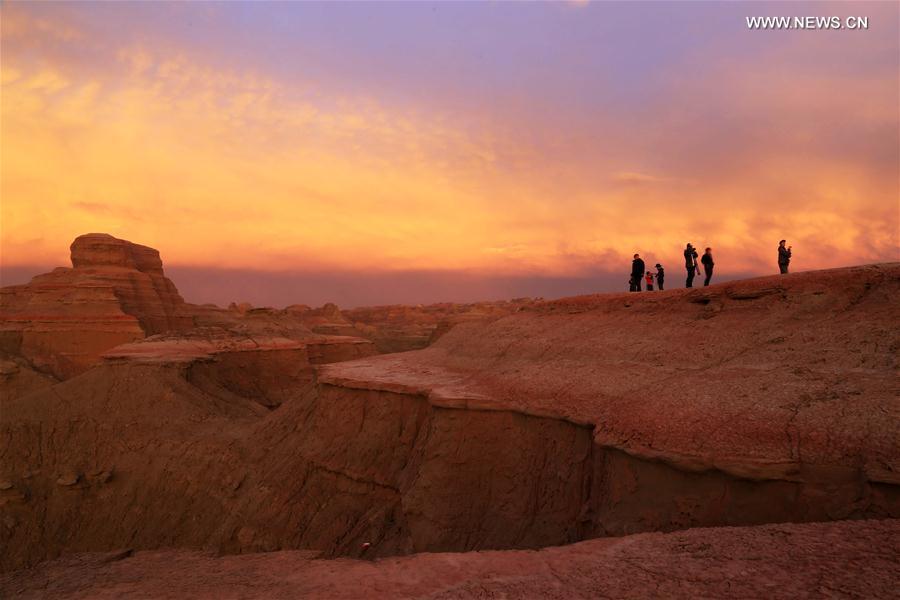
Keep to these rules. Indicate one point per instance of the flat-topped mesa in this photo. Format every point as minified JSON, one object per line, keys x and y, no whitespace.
{"x":103,"y":250}
{"x":115,"y":293}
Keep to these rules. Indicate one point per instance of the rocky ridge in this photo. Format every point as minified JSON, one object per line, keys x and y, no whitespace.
{"x":573,"y":419}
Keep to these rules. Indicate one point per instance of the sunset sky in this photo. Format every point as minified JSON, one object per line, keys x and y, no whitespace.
{"x":385,"y":152}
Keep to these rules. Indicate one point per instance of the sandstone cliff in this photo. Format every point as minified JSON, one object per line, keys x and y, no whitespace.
{"x":62,"y":323}
{"x":115,"y":292}
{"x":767,"y":400}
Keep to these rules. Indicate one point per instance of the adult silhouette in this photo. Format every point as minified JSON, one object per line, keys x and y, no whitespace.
{"x":784,"y":256}
{"x":708,"y":264}
{"x":690,"y":263}
{"x":637,"y":272}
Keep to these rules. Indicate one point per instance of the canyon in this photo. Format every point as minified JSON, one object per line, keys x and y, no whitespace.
{"x":527,"y":443}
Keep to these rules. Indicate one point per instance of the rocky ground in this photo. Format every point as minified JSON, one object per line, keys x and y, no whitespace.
{"x":132,"y":419}
{"x":848,"y":559}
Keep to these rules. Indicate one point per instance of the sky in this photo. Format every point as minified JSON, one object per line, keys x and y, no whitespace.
{"x":382,"y":152}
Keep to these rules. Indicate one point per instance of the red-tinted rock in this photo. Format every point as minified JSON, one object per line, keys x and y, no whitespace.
{"x":750,"y":402}
{"x":400,"y":328}
{"x":775,"y":377}
{"x":103,"y":250}
{"x":268,"y":369}
{"x":18,"y":378}
{"x":116,"y":292}
{"x":851,"y":559}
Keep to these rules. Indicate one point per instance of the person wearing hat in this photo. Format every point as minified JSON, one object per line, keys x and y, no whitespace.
{"x":690,"y":263}
{"x":660,"y":276}
{"x":784,"y":257}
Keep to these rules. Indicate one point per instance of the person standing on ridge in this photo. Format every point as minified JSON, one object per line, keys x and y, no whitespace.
{"x":708,"y":264}
{"x":784,"y":257}
{"x":690,"y":263}
{"x":660,"y":276}
{"x":637,"y":272}
{"x":649,"y":279}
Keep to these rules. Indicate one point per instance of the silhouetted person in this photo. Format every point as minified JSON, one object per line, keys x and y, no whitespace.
{"x":649,"y":279}
{"x":690,"y":263}
{"x":637,"y":271}
{"x":784,"y":257}
{"x":660,"y":276}
{"x":708,"y":265}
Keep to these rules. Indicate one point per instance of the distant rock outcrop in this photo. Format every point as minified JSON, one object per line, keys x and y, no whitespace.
{"x":115,"y":292}
{"x":400,"y":328}
{"x":103,"y":250}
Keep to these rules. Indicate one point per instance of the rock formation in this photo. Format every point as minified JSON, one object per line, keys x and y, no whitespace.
{"x":760,"y":401}
{"x":62,"y":323}
{"x":114,"y":293}
{"x":18,"y":377}
{"x":400,"y":328}
{"x":394,"y":328}
{"x":267,"y":369}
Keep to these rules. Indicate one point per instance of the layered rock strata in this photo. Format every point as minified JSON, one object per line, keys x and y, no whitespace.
{"x":115,"y":292}
{"x":766,"y":400}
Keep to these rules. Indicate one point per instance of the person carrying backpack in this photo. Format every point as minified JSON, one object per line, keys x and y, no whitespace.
{"x":660,"y":276}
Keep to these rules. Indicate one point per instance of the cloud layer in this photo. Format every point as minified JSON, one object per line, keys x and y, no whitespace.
{"x":516,"y":140}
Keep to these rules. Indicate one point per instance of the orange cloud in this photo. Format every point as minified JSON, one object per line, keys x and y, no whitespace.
{"x":237,"y":168}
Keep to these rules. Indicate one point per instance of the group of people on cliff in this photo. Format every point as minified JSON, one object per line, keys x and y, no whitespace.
{"x":692,"y":265}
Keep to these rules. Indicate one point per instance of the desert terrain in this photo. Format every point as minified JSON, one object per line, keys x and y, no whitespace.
{"x":737,"y":440}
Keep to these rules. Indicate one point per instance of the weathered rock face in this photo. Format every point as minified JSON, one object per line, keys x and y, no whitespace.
{"x":103,"y":250}
{"x":788,"y":378}
{"x":18,"y":378}
{"x":268,"y":369}
{"x":143,"y":290}
{"x":394,"y":328}
{"x":115,"y":293}
{"x":574,"y":419}
{"x":853,"y":559}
